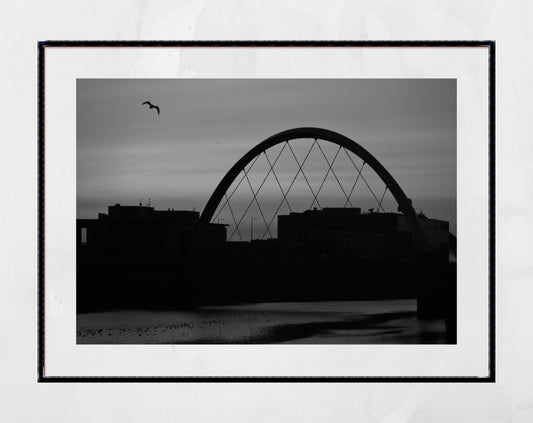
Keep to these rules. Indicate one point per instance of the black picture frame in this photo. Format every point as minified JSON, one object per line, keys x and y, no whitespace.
{"x":42,"y":378}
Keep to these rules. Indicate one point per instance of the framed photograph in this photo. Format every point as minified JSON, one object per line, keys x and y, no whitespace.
{"x":266,"y":211}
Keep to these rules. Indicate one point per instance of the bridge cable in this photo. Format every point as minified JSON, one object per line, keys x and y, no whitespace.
{"x":254,"y":197}
{"x":332,"y":171}
{"x":355,"y":183}
{"x":290,"y":186}
{"x":234,"y":220}
{"x":364,"y":180}
{"x":303,"y":174}
{"x":249,"y":204}
{"x":323,"y":180}
{"x":233,"y":192}
{"x":380,"y":201}
{"x":255,"y":193}
{"x":276,"y":176}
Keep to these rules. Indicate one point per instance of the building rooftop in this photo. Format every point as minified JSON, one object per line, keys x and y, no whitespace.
{"x":144,"y":212}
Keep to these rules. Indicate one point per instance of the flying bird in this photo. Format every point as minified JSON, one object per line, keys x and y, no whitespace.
{"x":152,"y":106}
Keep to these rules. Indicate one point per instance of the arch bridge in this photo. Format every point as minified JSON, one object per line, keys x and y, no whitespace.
{"x":221,"y":196}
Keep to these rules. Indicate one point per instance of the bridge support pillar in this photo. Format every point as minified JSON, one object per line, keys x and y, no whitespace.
{"x":437,"y":295}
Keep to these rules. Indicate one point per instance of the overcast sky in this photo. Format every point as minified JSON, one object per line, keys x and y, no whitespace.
{"x":126,"y":152}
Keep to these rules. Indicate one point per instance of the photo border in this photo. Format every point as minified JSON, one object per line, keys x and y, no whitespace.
{"x":491,"y":378}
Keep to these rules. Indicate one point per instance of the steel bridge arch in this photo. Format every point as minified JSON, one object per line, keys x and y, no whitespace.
{"x":404,"y":204}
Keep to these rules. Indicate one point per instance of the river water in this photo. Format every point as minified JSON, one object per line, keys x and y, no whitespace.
{"x":331,"y":322}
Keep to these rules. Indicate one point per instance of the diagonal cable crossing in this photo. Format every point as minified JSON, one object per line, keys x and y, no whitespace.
{"x":285,"y":192}
{"x":330,"y":165}
{"x":355,"y":183}
{"x":276,"y":176}
{"x":254,"y":197}
{"x":234,"y":220}
{"x":302,"y":171}
{"x":291,"y":184}
{"x":364,"y":180}
{"x":233,"y":192}
{"x":254,"y":193}
{"x":381,"y":201}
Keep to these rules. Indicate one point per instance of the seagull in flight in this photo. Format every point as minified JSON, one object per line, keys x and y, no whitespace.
{"x":152,"y":106}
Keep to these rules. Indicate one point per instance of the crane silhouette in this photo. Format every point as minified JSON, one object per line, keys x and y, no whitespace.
{"x":152,"y":106}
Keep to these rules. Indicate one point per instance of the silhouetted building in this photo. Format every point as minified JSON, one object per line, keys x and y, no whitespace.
{"x":141,"y":257}
{"x":136,"y":256}
{"x":383,"y":236}
{"x":133,"y":233}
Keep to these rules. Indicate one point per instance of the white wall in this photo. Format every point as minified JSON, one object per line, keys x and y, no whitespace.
{"x":507,"y":22}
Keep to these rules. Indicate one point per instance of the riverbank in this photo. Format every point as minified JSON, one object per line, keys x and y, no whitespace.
{"x":329,"y":322}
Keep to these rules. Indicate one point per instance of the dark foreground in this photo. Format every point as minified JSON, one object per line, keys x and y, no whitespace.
{"x":328,"y":322}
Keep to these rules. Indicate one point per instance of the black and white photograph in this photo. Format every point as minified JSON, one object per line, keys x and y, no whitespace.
{"x":241,"y":211}
{"x":266,"y":211}
{"x":234,"y":212}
